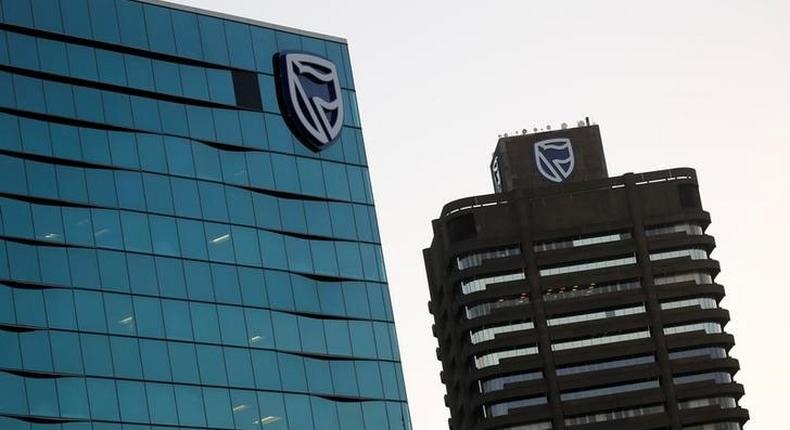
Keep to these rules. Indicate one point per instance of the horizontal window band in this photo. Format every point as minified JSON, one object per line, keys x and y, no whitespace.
{"x":158,"y":426}
{"x":263,"y":265}
{"x":120,"y":89}
{"x":322,"y":357}
{"x":173,"y":120}
{"x":91,"y":43}
{"x":222,"y":146}
{"x":312,"y":315}
{"x":243,"y":265}
{"x":332,"y":397}
{"x":67,"y":204}
{"x":21,"y":154}
{"x":122,"y":49}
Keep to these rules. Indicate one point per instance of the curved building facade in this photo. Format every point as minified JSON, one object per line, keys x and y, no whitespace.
{"x":586,"y":304}
{"x":173,"y":253}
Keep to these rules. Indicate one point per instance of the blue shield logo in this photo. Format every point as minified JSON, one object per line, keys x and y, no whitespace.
{"x":554,"y":159}
{"x":310,"y":98}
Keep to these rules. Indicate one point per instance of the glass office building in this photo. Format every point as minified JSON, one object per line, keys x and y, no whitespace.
{"x":171,"y":255}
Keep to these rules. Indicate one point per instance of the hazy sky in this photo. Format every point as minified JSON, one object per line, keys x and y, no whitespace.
{"x":702,"y":83}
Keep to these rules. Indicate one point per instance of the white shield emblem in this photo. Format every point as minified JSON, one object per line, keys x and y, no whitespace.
{"x":310,"y":96}
{"x":554,"y":159}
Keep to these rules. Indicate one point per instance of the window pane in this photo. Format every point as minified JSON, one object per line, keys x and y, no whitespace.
{"x":73,"y":396}
{"x":96,"y":353}
{"x":160,"y":29}
{"x":126,"y":357}
{"x":267,"y":374}
{"x":148,"y":315}
{"x":212,"y":365}
{"x":161,"y":404}
{"x":177,"y":322}
{"x":132,"y":399}
{"x":205,"y":322}
{"x":154,"y":357}
{"x":164,"y":235}
{"x":184,"y":363}
{"x":239,"y":368}
{"x":213,"y":36}
{"x":218,"y":413}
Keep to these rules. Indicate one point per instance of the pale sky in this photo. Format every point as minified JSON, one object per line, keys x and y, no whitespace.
{"x":702,"y":83}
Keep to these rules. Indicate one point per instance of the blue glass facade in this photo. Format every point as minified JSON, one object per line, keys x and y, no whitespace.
{"x":171,"y":256}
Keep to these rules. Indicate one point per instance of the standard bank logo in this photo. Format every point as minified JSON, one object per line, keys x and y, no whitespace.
{"x":554,"y":159}
{"x":310,"y":97}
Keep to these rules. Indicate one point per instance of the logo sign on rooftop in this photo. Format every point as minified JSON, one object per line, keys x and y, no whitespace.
{"x":310,"y":98}
{"x":554,"y":159}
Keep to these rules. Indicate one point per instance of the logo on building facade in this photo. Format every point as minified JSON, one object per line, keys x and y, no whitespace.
{"x":496,"y":175}
{"x":554,"y":159}
{"x":310,"y":97}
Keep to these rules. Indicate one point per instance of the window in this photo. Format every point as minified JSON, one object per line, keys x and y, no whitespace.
{"x":161,"y":403}
{"x":189,"y":401}
{"x":614,"y":415}
{"x":126,"y":357}
{"x":493,"y":358}
{"x":183,"y":362}
{"x":487,"y":334}
{"x":481,"y":284}
{"x":591,"y":289}
{"x":148,"y":315}
{"x":160,"y":29}
{"x":96,"y":354}
{"x":596,"y":315}
{"x":177,"y":322}
{"x":53,"y":57}
{"x":722,"y":402}
{"x":607,"y":391}
{"x":187,"y":34}
{"x":707,"y":327}
{"x":716,"y":377}
{"x":500,"y":409}
{"x":698,"y":352}
{"x":694,"y":254}
{"x":605,"y":365}
{"x":477,"y":259}
{"x":696,"y":277}
{"x":595,"y":265}
{"x":602,"y":340}
{"x":496,"y":384}
{"x":239,"y":366}
{"x":688,"y":228}
{"x":701,"y":302}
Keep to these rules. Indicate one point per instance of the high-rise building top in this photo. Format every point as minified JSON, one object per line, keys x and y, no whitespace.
{"x":572,"y":300}
{"x":188,"y":238}
{"x":547,"y":158}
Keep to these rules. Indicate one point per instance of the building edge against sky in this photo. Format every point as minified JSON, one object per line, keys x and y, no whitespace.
{"x":571,"y":299}
{"x":188,"y":237}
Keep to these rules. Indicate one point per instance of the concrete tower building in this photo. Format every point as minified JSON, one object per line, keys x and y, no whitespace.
{"x":573,"y":300}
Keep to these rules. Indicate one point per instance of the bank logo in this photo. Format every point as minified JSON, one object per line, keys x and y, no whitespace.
{"x":496,"y":174}
{"x":310,"y":97}
{"x":554,"y":158}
